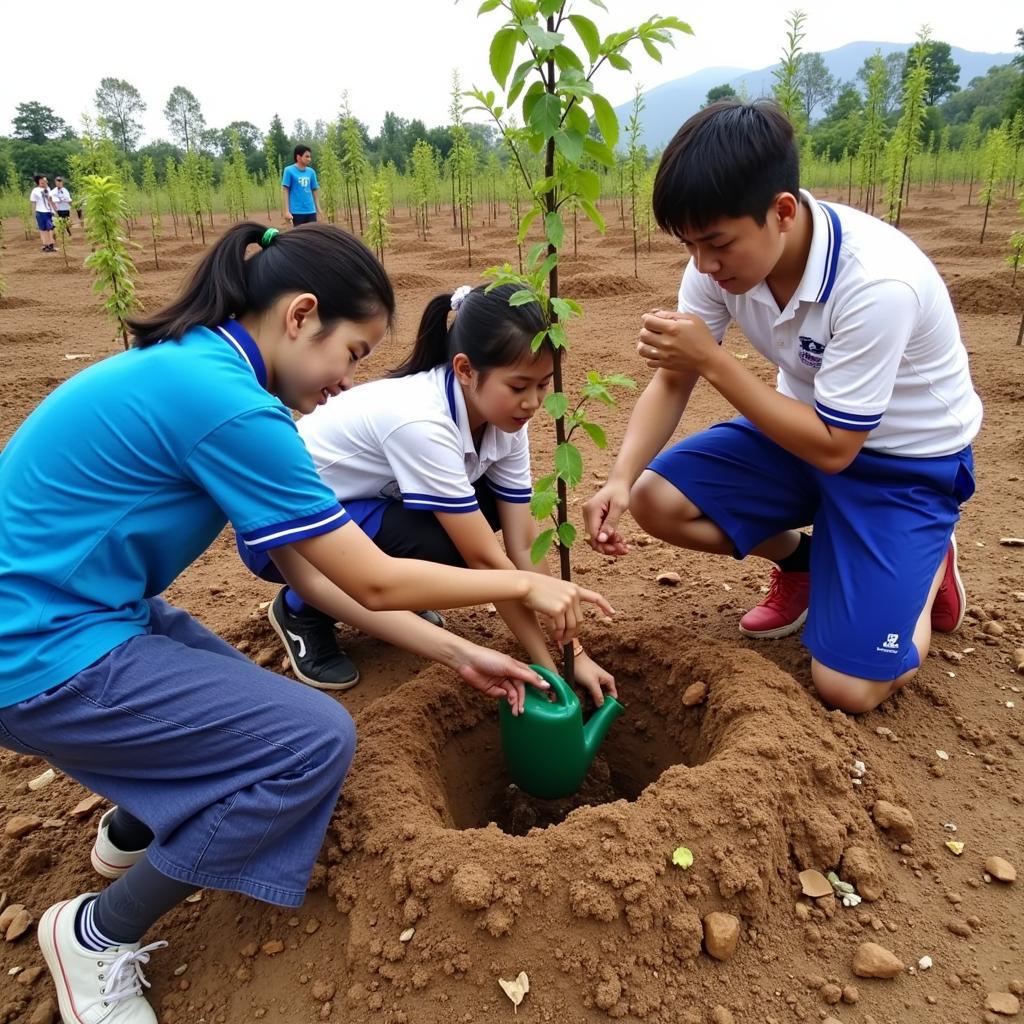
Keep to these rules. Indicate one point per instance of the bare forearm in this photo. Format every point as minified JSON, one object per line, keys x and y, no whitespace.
{"x":655,"y":417}
{"x":789,"y":423}
{"x":284,"y":201}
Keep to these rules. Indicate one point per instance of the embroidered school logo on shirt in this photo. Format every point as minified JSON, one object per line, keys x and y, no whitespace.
{"x":811,"y":352}
{"x":891,"y":644}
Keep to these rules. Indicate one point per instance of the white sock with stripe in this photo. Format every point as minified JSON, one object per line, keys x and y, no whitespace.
{"x":86,"y":931}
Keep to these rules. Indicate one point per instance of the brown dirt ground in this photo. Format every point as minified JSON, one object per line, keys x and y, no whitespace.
{"x":756,"y":780}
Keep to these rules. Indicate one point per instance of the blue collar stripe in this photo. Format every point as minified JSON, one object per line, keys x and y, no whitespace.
{"x":835,"y":240}
{"x":449,"y":390}
{"x":244,"y":344}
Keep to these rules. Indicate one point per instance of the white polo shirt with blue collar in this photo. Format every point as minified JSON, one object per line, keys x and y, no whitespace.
{"x":869,"y":338}
{"x":408,"y":439}
{"x":122,"y":477}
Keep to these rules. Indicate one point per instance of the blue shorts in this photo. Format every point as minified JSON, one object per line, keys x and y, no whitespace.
{"x":881,"y":530}
{"x":44,"y":221}
{"x":235,"y":769}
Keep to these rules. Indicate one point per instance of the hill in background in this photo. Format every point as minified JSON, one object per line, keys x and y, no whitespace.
{"x":669,"y":105}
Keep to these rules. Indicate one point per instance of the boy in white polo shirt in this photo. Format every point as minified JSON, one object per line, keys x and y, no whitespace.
{"x":866,"y":436}
{"x":43,"y":208}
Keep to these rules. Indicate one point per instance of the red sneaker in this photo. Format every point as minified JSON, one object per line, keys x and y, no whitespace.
{"x":950,"y":603}
{"x":783,"y":610}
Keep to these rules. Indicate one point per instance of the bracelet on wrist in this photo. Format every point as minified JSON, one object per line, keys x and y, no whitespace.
{"x":577,"y":648}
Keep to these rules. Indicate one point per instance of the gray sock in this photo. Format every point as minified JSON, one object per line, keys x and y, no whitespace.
{"x":129,"y":907}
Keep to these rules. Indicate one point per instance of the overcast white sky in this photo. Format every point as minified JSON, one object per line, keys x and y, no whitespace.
{"x":249,"y":61}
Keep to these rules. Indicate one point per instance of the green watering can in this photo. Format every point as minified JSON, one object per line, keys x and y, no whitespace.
{"x":547,"y":747}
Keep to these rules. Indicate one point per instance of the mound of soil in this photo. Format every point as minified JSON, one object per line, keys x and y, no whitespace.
{"x":986,"y":293}
{"x":602,"y":285}
{"x":410,"y":279}
{"x":429,"y":835}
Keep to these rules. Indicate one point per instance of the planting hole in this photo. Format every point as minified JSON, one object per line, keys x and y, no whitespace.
{"x":655,"y":733}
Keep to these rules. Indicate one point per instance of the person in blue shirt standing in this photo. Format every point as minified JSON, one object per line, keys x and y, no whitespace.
{"x":299,"y":200}
{"x":223,"y":775}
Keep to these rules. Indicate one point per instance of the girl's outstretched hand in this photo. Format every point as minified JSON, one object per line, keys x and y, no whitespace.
{"x":498,"y":675}
{"x":594,"y":679}
{"x":561,"y":602}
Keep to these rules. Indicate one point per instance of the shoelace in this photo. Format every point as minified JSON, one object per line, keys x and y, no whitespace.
{"x":125,"y":978}
{"x":780,"y":583}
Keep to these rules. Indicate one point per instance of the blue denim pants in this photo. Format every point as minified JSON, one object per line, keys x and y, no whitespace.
{"x":236,"y":770}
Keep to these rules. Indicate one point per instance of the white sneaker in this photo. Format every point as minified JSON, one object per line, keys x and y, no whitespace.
{"x":94,"y":988}
{"x":106,"y":858}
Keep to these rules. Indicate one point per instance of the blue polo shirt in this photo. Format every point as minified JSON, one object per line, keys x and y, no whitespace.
{"x":301,"y":185}
{"x":122,"y":477}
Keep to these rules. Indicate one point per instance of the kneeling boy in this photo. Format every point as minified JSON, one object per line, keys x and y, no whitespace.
{"x":866,"y":435}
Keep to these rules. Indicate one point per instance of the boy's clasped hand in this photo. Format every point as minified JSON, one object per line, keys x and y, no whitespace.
{"x":680,"y":342}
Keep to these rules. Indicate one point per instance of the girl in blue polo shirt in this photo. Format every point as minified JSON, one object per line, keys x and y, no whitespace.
{"x":224,"y":775}
{"x":430,"y":461}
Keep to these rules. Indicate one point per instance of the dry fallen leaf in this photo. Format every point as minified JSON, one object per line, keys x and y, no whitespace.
{"x":515,"y":990}
{"x":815,"y":884}
{"x":954,"y":847}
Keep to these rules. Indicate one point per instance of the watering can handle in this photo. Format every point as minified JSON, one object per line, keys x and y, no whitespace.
{"x":559,"y":686}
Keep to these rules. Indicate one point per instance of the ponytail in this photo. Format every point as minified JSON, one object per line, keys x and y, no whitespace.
{"x":486,"y":329}
{"x":431,"y":347}
{"x":347,"y":279}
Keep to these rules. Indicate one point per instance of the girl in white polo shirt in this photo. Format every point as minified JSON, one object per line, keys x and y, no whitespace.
{"x":431,"y":461}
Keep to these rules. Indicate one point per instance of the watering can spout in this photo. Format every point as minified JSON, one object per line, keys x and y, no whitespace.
{"x":598,"y":725}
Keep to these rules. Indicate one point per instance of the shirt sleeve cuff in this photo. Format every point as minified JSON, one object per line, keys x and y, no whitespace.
{"x":513,"y":495}
{"x":437,"y":503}
{"x":847,"y":420}
{"x":292,"y":530}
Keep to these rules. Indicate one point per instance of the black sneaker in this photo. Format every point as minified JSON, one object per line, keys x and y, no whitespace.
{"x":434,"y":618}
{"x":312,"y":646}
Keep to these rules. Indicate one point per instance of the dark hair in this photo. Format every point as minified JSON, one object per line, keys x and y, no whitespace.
{"x":730,"y":159}
{"x":38,"y":178}
{"x":299,"y":150}
{"x":486,"y":329}
{"x":346,"y":278}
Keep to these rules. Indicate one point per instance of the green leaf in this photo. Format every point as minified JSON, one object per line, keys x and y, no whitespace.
{"x":539,"y":548}
{"x":619,"y":62}
{"x":566,"y":535}
{"x":543,"y":503}
{"x":589,"y":36}
{"x":607,"y":120}
{"x":569,"y":463}
{"x":538,"y":340}
{"x":523,"y":297}
{"x":577,"y":119}
{"x":652,"y":51}
{"x":503,"y":52}
{"x":588,"y":185}
{"x":487,"y":6}
{"x":532,"y":98}
{"x":565,"y":59}
{"x":682,"y":858}
{"x":619,"y":380}
{"x":600,"y":152}
{"x":545,"y":115}
{"x":524,"y":225}
{"x":570,"y":145}
{"x":556,"y":404}
{"x":545,"y":483}
{"x":548,"y":265}
{"x":518,"y":81}
{"x":564,"y":309}
{"x":597,"y":435}
{"x":554,"y":229}
{"x":556,"y":332}
{"x":593,"y":213}
{"x":543,"y":40}
{"x":533,"y":257}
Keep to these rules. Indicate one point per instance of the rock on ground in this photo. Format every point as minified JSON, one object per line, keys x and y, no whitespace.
{"x":874,"y":961}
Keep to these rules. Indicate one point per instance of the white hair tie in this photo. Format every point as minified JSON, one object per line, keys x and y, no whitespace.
{"x":459,"y":296}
